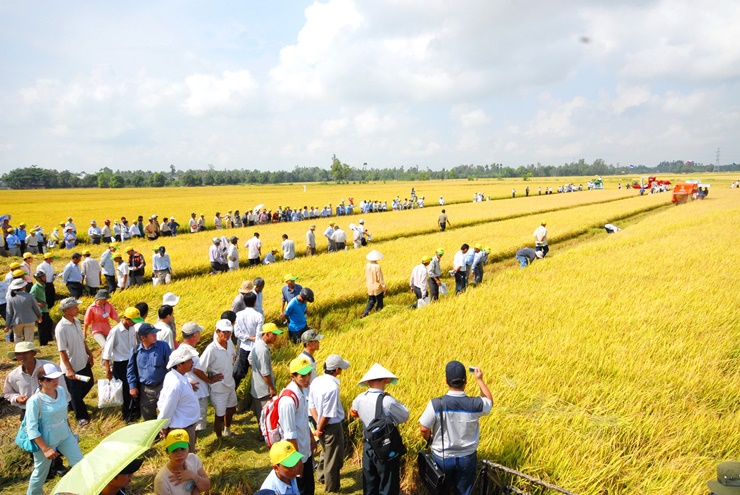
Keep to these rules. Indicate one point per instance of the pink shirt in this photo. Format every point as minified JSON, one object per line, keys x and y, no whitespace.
{"x":99,"y":317}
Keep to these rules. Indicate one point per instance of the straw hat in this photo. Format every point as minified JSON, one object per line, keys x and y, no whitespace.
{"x":374,"y":255}
{"x":377,"y":372}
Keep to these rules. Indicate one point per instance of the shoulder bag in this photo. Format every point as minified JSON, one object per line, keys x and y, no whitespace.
{"x":21,"y":438}
{"x":383,"y":436}
{"x":430,"y":473}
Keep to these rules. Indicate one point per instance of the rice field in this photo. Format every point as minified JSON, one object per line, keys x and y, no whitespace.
{"x":613,"y":362}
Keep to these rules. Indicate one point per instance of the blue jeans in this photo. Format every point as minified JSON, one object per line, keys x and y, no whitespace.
{"x":459,"y":472}
{"x":523,"y":261}
{"x":545,"y":249}
{"x":71,"y":450}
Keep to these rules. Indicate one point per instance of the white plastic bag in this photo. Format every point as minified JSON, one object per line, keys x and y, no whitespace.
{"x":110,"y":393}
{"x":443,"y":289}
{"x":420,"y":303}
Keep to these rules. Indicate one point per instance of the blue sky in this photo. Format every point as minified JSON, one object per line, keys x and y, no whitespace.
{"x":272,"y":85}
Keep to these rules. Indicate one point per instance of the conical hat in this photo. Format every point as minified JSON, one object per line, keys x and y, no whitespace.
{"x":374,"y":255}
{"x":377,"y":372}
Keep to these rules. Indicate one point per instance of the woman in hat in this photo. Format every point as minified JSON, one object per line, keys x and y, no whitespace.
{"x":47,"y":424}
{"x":98,"y":317}
{"x":184,"y":473}
{"x":22,"y":311}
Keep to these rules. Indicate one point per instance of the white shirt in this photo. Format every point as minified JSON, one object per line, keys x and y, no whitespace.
{"x":272,"y":482}
{"x":215,"y":359}
{"x":339,"y":236}
{"x":70,"y":338}
{"x":540,"y":235}
{"x":419,"y":276}
{"x":248,"y":324}
{"x":48,"y":269}
{"x":177,"y":401}
{"x":122,"y":272}
{"x":459,"y":261}
{"x":203,"y":389}
{"x":90,"y":269}
{"x":461,"y":424}
{"x":254,"y":245}
{"x":214,"y":254}
{"x":288,"y":249}
{"x":119,"y":343}
{"x":364,"y":405}
{"x":193,"y":223}
{"x":294,"y":422}
{"x":328,"y":232}
{"x":232,"y":256}
{"x":165,"y":334}
{"x":311,"y":238}
{"x":324,"y":397}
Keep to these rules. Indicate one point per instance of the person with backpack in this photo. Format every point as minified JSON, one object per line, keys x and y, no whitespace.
{"x":136,"y":264}
{"x":263,"y":377}
{"x":379,"y":477}
{"x":451,"y":424}
{"x":293,"y":420}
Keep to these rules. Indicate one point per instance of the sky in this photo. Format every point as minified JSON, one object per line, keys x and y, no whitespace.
{"x":286,"y":83}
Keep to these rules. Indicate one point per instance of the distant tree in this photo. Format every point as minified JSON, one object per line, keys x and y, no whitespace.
{"x":117,"y":181}
{"x":104,"y":180}
{"x":158,"y":179}
{"x":340,"y":171}
{"x":86,"y":180}
{"x":191,"y":179}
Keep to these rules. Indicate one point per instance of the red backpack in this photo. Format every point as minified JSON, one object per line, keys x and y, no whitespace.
{"x":270,"y":420}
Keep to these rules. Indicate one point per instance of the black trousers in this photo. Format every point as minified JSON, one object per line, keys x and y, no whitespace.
{"x":478,"y":274}
{"x":130,"y":406}
{"x":51,"y":294}
{"x":110,"y":281}
{"x":46,"y":329}
{"x":76,"y":289}
{"x":77,"y":392}
{"x":461,"y":281}
{"x":242,"y":367}
{"x":374,"y":301}
{"x":306,"y":483}
{"x":379,"y":478}
{"x":433,"y":290}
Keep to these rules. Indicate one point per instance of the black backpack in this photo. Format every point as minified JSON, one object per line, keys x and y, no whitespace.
{"x":383,"y":436}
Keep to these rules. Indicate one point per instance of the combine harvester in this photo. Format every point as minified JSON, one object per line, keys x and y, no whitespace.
{"x":689,"y":191}
{"x":652,"y":181}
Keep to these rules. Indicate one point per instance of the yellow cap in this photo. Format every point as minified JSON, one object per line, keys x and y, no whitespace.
{"x":284,"y":453}
{"x":18,"y":273}
{"x":177,"y":439}
{"x":85,"y":251}
{"x":27,"y":255}
{"x":426,"y":259}
{"x":133,"y":314}
{"x":301,"y":365}
{"x":289,"y":276}
{"x":440,"y":251}
{"x":15,"y":265}
{"x":271,"y":328}
{"x":129,"y":249}
{"x":479,"y":246}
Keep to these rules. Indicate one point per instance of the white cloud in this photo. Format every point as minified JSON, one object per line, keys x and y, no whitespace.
{"x":228,"y":94}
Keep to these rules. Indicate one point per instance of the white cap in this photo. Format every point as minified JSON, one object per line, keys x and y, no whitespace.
{"x":170,"y":299}
{"x":51,"y":371}
{"x":224,"y":325}
{"x":180,"y":355}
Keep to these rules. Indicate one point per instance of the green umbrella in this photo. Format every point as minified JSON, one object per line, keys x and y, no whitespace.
{"x":112,"y":454}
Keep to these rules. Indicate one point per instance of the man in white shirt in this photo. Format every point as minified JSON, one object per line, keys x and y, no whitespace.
{"x":340,"y":238}
{"x":540,"y":239}
{"x":288,"y":248}
{"x":325,"y":407}
{"x":232,"y":253}
{"x":108,"y":269}
{"x":121,"y":340}
{"x":218,"y":359}
{"x":328,"y":233}
{"x":90,"y":269}
{"x":358,"y":234}
{"x":76,"y":358}
{"x":216,"y":258}
{"x":177,"y":400}
{"x":190,"y":337}
{"x":247,"y":329}
{"x":293,"y":420}
{"x":311,"y":241}
{"x":164,"y":331}
{"x":193,"y":224}
{"x":419,"y":278}
{"x":254,"y":249}
{"x":459,"y":269}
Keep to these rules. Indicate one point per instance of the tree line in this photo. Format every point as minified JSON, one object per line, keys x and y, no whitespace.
{"x":35,"y":177}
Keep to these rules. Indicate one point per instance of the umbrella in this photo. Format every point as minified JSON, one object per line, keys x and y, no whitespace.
{"x":258,"y":207}
{"x":113,"y":453}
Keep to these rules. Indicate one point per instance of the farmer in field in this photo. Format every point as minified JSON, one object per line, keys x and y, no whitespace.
{"x":378,"y":477}
{"x":526,"y":256}
{"x":311,"y":241}
{"x":419,"y":279}
{"x":116,"y":353}
{"x":136,"y":264}
{"x":326,"y":410}
{"x":435,"y":271}
{"x":216,"y":258}
{"x":75,"y":357}
{"x":296,"y":312}
{"x":479,"y":259}
{"x":328,"y":233}
{"x":91,"y":273}
{"x":161,"y":267}
{"x":122,"y":272}
{"x":107,"y":268}
{"x":288,"y":248}
{"x":376,"y":288}
{"x":72,"y":276}
{"x":247,"y":329}
{"x":193,"y":223}
{"x":443,"y":221}
{"x":263,"y":376}
{"x":177,"y":400}
{"x":238,"y":303}
{"x":459,"y":269}
{"x":540,"y":239}
{"x":456,"y":454}
{"x":232,"y":253}
{"x":290,"y":290}
{"x":340,"y":238}
{"x":254,"y":249}
{"x":146,"y":369}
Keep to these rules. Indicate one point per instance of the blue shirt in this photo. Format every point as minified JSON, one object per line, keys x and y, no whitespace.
{"x":106,"y":263}
{"x":161,"y":262}
{"x":478,"y":259}
{"x":148,"y":366}
{"x":21,"y":233}
{"x":12,"y":241}
{"x":296,"y":313}
{"x":288,"y":294}
{"x":71,"y":273}
{"x":469,"y":257}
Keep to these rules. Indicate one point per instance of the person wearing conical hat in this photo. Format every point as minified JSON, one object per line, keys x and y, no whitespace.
{"x":378,"y":477}
{"x":376,"y":288}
